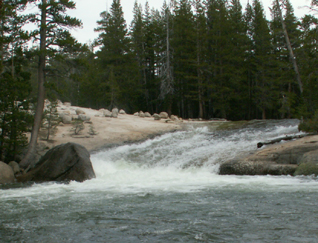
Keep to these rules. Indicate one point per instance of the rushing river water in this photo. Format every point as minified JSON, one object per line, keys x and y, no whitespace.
{"x":167,"y":190}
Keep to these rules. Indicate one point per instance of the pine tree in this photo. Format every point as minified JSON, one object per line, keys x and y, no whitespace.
{"x":265,"y":90}
{"x":308,"y":58}
{"x":51,"y":121}
{"x":201,"y":50}
{"x":116,"y":58}
{"x":166,"y":69}
{"x":219,"y":52}
{"x":239,"y":44}
{"x":51,"y":32}
{"x":183,"y":43}
{"x":250,"y":67}
{"x":14,"y":105}
{"x":14,"y":76}
{"x":138,"y":39}
{"x":285,"y":70}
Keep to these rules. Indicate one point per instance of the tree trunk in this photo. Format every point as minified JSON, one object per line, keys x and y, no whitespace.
{"x":28,"y":160}
{"x":1,"y":35}
{"x":290,"y":49}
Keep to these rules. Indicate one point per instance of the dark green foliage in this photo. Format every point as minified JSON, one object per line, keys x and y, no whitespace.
{"x":194,"y":58}
{"x":50,"y":121}
{"x":14,"y":117}
{"x":119,"y":75}
{"x":310,"y":125}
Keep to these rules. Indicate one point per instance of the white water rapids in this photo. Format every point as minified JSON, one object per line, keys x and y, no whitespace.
{"x":167,"y":189}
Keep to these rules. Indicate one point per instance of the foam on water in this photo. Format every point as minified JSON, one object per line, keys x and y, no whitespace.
{"x":183,"y":161}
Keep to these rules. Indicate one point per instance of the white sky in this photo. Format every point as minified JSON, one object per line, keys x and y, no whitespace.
{"x":88,"y":12}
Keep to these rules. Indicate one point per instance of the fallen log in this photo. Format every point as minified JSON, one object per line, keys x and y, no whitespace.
{"x":286,"y":138}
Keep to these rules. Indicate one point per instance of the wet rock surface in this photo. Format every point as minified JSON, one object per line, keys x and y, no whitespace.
{"x":65,"y":162}
{"x":280,"y":159}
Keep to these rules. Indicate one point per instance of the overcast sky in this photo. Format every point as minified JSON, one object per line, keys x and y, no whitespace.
{"x":88,"y":12}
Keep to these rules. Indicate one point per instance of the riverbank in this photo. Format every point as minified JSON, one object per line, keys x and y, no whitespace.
{"x":101,"y":131}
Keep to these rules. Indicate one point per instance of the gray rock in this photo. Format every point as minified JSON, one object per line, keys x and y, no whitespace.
{"x":6,"y":173}
{"x":246,"y":167}
{"x":83,"y":117}
{"x":147,"y":114}
{"x":276,"y":160}
{"x":156,"y":117}
{"x":67,"y":104}
{"x":174,"y":118}
{"x":67,"y":119}
{"x":164,"y":115}
{"x":122,"y":112}
{"x":79,"y":111}
{"x":15,"y":167}
{"x":141,"y":114}
{"x":115,"y":113}
{"x":107,"y":113}
{"x":308,"y":164}
{"x":65,"y":162}
{"x":136,"y":114}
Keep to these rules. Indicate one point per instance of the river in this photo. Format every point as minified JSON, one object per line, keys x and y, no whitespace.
{"x":167,"y":189}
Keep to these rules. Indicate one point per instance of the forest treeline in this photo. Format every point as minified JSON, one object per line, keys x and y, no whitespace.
{"x":191,"y":58}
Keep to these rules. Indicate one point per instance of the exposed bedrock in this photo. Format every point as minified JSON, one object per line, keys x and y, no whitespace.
{"x":299,"y":157}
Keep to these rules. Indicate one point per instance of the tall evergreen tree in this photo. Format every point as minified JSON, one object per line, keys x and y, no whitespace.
{"x":15,"y":85}
{"x":238,"y":45}
{"x":115,"y":57}
{"x":184,"y":56}
{"x":220,"y":55}
{"x":308,"y":57}
{"x":166,"y":69}
{"x":201,"y":50}
{"x":51,"y":31}
{"x":285,"y":72}
{"x":265,"y":90}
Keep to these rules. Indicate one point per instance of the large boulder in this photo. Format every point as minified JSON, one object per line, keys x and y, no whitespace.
{"x":297,"y":157}
{"x":6,"y":173}
{"x":64,"y":162}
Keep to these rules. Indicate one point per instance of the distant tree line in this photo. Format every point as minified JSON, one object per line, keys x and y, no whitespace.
{"x":191,"y":58}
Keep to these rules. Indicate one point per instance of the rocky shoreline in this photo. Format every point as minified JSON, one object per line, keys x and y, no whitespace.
{"x":298,"y":157}
{"x":100,"y":129}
